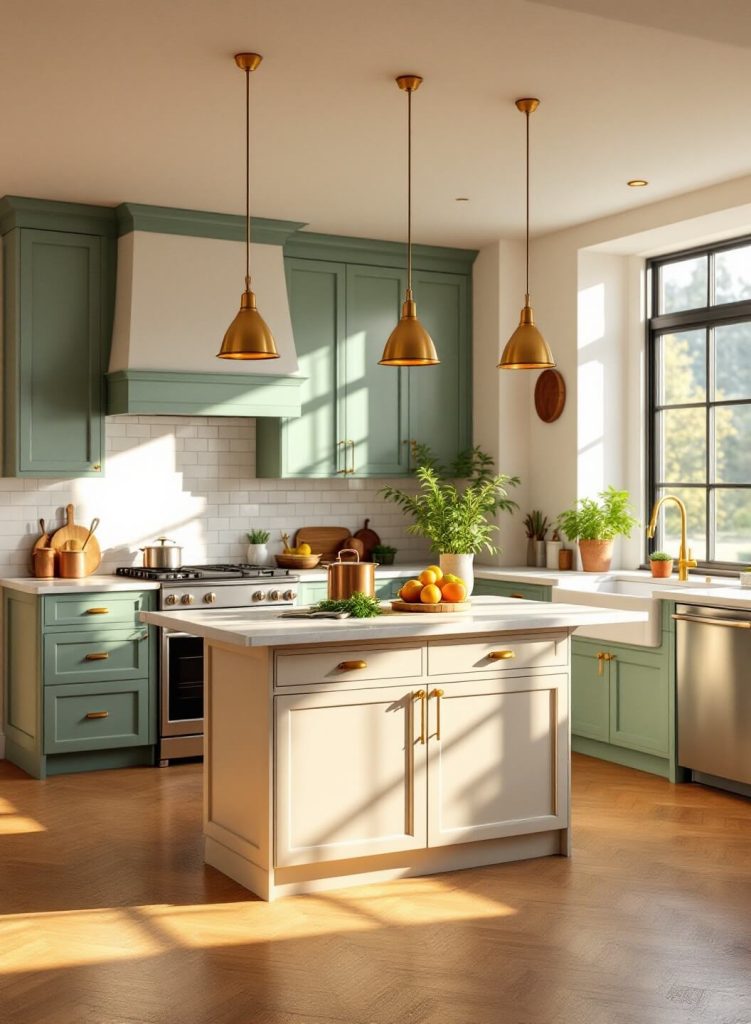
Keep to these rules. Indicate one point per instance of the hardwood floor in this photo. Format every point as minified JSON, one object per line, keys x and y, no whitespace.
{"x":108,"y":916}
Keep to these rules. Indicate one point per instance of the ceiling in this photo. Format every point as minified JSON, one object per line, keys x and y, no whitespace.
{"x":141,"y":101}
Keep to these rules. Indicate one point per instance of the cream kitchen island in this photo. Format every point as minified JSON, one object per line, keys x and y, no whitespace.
{"x":349,"y":751}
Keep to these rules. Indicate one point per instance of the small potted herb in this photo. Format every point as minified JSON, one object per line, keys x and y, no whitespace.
{"x":384,"y":554}
{"x":661,"y":564}
{"x":595,"y":523}
{"x":258,"y":553}
{"x":536,"y":528}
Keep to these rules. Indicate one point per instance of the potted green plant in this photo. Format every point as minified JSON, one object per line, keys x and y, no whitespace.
{"x":536,"y":527}
{"x":454,"y":519}
{"x":595,"y":523}
{"x":383,"y":554}
{"x":258,"y":553}
{"x":661,"y":565}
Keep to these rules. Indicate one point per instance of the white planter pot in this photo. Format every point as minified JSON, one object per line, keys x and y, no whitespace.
{"x":552,"y":549}
{"x":258,"y":554}
{"x":540,"y":554}
{"x":461,"y":566}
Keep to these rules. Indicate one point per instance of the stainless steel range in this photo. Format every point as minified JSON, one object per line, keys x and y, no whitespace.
{"x":208,"y":587}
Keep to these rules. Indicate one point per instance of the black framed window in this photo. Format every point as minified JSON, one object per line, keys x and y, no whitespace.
{"x":699,"y":399}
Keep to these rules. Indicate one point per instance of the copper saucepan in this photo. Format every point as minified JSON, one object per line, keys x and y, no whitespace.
{"x":346,"y":578}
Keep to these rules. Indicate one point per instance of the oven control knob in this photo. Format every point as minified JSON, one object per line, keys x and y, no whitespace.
{"x":187,"y":599}
{"x":289,"y":595}
{"x":258,"y":595}
{"x":274,"y":595}
{"x":209,"y":598}
{"x":170,"y":599}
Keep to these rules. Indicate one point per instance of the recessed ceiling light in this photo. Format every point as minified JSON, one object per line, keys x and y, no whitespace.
{"x":462,"y":199}
{"x":637,"y":183}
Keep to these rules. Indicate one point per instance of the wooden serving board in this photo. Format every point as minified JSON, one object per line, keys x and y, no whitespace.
{"x":326,"y":539}
{"x":71,"y":537}
{"x":441,"y":606}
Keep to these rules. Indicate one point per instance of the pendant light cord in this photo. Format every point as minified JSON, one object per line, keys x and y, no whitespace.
{"x":409,"y":193}
{"x":527,"y":257}
{"x":247,"y":179}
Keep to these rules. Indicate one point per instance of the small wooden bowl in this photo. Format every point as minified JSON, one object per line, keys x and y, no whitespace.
{"x":297,"y":561}
{"x":440,"y":606}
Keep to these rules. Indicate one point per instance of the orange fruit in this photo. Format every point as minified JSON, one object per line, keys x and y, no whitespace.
{"x":455,"y":592}
{"x":427,"y":576}
{"x":436,"y":569}
{"x":410,"y":590}
{"x":430,"y":594}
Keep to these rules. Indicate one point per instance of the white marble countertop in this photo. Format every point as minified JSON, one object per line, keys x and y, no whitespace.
{"x":266,"y":627}
{"x":103,"y":583}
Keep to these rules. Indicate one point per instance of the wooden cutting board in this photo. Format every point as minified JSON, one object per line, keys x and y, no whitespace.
{"x":72,"y":537}
{"x":442,"y":606}
{"x":324,"y":540}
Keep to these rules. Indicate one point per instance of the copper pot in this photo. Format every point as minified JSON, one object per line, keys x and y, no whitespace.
{"x":347,"y":578}
{"x":72,"y":564}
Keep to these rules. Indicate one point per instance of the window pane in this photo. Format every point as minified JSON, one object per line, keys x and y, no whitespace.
{"x":732,"y":344}
{"x":684,"y":446}
{"x":733,"y":534}
{"x":733,"y":444}
{"x":669,"y":532}
{"x":683,"y":285}
{"x":682,"y":367}
{"x":732,"y":275}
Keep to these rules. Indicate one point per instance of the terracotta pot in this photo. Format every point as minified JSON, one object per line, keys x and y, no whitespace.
{"x":565,"y":558}
{"x":661,"y":569}
{"x":596,"y":555}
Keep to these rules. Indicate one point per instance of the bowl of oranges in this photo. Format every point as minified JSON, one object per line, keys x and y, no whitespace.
{"x":431,"y":591}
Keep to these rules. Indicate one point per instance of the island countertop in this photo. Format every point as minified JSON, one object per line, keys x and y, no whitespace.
{"x":268,"y":627}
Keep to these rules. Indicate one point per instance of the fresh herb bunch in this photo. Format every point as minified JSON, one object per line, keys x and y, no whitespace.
{"x":258,"y":536}
{"x":589,"y":519}
{"x":359,"y":606}
{"x":660,"y":556}
{"x":472,"y":464}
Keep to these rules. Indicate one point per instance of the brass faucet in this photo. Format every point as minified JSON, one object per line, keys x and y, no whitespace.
{"x":685,"y":561}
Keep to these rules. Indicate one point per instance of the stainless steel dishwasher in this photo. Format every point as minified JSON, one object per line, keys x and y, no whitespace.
{"x":713,"y":670}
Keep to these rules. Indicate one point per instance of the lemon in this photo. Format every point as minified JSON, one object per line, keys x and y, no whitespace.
{"x":304,"y":549}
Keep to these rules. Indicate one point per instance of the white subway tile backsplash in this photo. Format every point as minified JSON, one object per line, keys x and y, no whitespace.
{"x":190,"y":479}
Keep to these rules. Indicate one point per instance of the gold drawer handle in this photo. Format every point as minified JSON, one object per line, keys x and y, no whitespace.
{"x":437,"y":694}
{"x":522,"y":597}
{"x":97,"y":714}
{"x":347,"y":666}
{"x":97,"y":611}
{"x":97,"y":656}
{"x":501,"y":655}
{"x":421,"y":695}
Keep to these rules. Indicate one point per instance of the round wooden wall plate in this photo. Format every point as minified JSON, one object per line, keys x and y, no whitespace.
{"x":550,"y":395}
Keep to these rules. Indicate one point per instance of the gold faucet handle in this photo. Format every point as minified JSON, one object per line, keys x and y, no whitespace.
{"x":690,"y":562}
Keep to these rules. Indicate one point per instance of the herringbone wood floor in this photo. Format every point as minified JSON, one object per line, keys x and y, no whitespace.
{"x":109,"y":917}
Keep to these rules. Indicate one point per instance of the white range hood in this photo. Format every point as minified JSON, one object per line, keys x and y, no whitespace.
{"x":176,"y":296}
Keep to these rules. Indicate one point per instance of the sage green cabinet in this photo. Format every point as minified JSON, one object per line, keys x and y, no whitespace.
{"x":58,"y":294}
{"x":79,"y":695}
{"x":623,"y":702}
{"x":358,"y":418}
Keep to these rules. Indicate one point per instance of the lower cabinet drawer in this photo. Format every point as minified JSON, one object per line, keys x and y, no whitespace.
{"x":111,"y":654}
{"x":87,"y":718}
{"x":348,"y":666}
{"x":97,"y":611}
{"x":496,"y":654}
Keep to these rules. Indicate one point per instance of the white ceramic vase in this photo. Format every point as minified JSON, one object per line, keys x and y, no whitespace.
{"x":461,"y":566}
{"x":258,"y":554}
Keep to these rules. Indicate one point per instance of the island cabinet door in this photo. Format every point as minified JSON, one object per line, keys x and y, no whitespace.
{"x":350,"y":775}
{"x":498,"y":758}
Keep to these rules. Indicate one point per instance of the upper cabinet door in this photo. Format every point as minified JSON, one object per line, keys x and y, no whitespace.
{"x":54,"y":342}
{"x":375,"y":396}
{"x":309,"y":444}
{"x":439,"y":406}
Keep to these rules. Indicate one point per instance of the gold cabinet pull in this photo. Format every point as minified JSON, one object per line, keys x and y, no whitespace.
{"x":521,"y":597}
{"x":97,"y":714}
{"x":352,"y":467}
{"x":97,"y":656}
{"x":600,"y":657}
{"x":348,"y":666}
{"x":341,"y":444}
{"x":502,"y":655}
{"x":437,"y":694}
{"x":421,"y":696}
{"x":97,"y":611}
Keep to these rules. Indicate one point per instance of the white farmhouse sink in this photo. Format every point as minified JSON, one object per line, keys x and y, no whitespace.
{"x":620,"y":592}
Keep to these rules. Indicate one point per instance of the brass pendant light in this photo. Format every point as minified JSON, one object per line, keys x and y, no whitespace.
{"x":526,"y":349}
{"x":248,"y":336}
{"x":409,"y":343}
